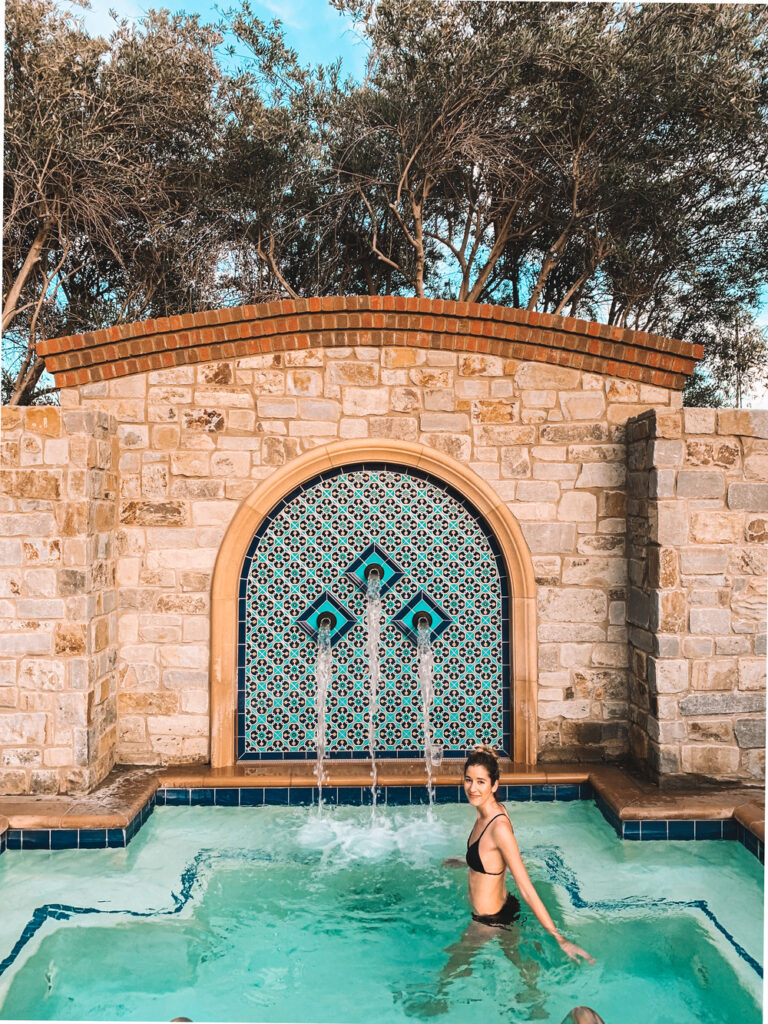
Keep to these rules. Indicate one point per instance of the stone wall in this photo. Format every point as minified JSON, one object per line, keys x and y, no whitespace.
{"x":58,"y":656}
{"x":195,"y":440}
{"x":113,"y":513}
{"x":697,"y":526}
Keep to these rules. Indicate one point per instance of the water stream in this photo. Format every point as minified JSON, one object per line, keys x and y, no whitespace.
{"x":323,"y":671}
{"x":373,"y":639}
{"x":425,"y":673}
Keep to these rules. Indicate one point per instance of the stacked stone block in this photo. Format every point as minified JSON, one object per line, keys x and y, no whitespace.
{"x":698,"y":508}
{"x":113,"y":512}
{"x":58,"y":655}
{"x":195,"y":440}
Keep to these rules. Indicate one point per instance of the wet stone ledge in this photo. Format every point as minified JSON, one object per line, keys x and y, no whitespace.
{"x":635,"y":809}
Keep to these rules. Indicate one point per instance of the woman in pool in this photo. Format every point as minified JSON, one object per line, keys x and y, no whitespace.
{"x":491,"y":850}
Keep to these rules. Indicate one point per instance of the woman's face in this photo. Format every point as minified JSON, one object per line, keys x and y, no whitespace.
{"x":478,"y":785}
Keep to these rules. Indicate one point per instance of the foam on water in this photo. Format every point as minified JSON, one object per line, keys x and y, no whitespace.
{"x":342,"y":841}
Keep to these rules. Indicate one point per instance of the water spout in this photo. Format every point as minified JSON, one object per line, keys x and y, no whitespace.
{"x":323,"y":670}
{"x":373,"y":639}
{"x":425,"y":673}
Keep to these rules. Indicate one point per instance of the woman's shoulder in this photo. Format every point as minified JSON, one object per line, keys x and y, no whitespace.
{"x":502,"y":820}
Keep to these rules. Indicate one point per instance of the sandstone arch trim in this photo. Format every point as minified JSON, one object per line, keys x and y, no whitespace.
{"x":380,"y":321}
{"x":517,"y":557}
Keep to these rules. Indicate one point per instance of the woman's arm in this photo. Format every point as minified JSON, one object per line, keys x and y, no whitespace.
{"x":507,"y":844}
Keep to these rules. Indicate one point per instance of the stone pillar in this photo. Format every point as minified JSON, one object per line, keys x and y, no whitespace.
{"x":698,"y":507}
{"x":58,"y":684}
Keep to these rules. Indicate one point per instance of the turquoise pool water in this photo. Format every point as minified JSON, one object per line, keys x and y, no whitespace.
{"x":271,"y":914}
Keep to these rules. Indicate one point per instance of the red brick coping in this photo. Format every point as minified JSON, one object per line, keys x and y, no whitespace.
{"x":369,"y":320}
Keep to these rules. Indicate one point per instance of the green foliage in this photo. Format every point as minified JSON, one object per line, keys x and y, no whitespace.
{"x":736,"y":360}
{"x":605,"y":161}
{"x":109,"y":149}
{"x":599,"y":160}
{"x":567,"y":157}
{"x":701,"y":391}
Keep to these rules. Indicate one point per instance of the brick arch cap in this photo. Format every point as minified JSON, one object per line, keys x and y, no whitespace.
{"x":294,"y":324}
{"x":254,"y":508}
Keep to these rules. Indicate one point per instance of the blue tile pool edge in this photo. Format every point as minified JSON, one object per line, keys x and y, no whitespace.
{"x":298,"y":796}
{"x":648,"y":829}
{"x":76,"y":838}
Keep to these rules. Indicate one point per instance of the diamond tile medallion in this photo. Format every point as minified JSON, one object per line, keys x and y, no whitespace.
{"x":374,"y":557}
{"x":326,"y":604}
{"x":311,"y":554}
{"x":421,"y":603}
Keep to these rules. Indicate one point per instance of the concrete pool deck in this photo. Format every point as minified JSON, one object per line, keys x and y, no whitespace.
{"x":126,"y":791}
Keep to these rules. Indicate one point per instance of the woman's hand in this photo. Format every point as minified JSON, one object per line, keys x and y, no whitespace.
{"x":572,"y":951}
{"x":455,"y":862}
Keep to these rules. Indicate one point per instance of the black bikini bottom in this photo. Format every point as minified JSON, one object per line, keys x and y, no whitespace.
{"x":504,"y":917}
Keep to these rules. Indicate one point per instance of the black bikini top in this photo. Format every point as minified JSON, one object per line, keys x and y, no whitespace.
{"x":473,"y":851}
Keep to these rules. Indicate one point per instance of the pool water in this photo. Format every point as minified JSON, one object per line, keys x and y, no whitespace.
{"x":276,"y":914}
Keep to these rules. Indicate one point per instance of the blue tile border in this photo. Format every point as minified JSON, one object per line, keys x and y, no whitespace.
{"x":394,"y":796}
{"x":398,"y":796}
{"x":682,"y":829}
{"x":729,"y":828}
{"x":76,"y":838}
{"x":749,"y":839}
{"x":64,"y":839}
{"x":204,"y":859}
{"x":36,"y":839}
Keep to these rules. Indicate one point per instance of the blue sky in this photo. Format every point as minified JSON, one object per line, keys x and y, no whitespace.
{"x":312,"y":27}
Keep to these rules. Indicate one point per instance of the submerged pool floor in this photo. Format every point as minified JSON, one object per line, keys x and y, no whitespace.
{"x":275,"y":914}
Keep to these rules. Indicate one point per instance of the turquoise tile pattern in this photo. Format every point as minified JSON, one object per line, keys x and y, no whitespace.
{"x":306,"y":547}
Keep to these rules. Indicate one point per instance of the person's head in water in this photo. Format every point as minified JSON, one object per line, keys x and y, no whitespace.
{"x":481,"y":775}
{"x":583,"y":1015}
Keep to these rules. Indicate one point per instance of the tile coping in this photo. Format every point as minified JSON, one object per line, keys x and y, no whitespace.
{"x":111,"y":814}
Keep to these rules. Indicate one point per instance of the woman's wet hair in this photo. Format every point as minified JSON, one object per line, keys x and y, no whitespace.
{"x":484,"y":757}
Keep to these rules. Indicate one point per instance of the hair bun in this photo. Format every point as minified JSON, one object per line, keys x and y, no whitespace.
{"x":483,"y":748}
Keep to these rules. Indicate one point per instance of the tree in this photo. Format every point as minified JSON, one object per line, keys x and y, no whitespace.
{"x":108,"y":190}
{"x":701,"y":391}
{"x":595,"y":159}
{"x":290,"y":227}
{"x":272,"y":168}
{"x":598,"y":160}
{"x":736,"y":362}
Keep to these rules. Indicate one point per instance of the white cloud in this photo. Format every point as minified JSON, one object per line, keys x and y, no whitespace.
{"x":288,"y":11}
{"x":96,"y":18}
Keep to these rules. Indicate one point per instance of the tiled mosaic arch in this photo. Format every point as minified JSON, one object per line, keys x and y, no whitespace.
{"x":446,"y":558}
{"x":522,"y":681}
